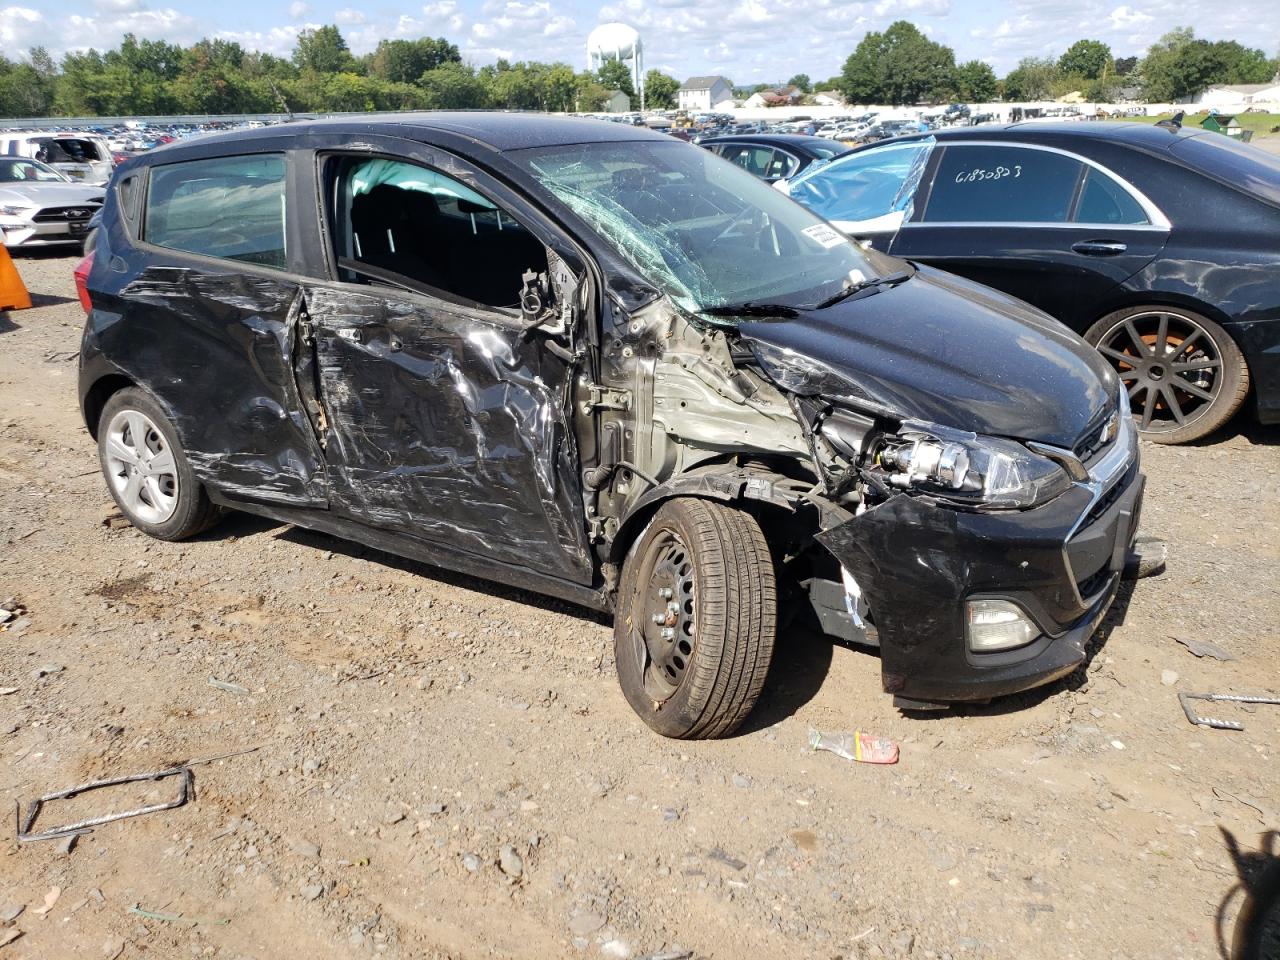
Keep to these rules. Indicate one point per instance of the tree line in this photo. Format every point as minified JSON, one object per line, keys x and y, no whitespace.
{"x":903,"y":66}
{"x":153,"y":77}
{"x":899,"y":65}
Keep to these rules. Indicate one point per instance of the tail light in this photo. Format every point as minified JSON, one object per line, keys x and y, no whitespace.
{"x":82,"y":281}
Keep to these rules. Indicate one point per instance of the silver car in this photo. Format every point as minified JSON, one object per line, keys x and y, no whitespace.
{"x":40,"y":207}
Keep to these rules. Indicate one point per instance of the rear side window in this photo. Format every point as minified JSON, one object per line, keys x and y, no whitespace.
{"x":1000,"y":184}
{"x":1105,"y":201}
{"x":1241,"y":165}
{"x":230,"y":207}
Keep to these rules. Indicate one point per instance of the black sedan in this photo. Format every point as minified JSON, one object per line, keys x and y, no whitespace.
{"x":774,"y":156}
{"x":1158,"y":244}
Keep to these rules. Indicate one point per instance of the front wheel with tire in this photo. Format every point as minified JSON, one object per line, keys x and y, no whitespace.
{"x":694,"y":630}
{"x":1185,"y":375}
{"x":146,"y":470}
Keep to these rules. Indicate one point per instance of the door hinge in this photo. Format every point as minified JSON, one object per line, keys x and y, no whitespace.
{"x":603,"y":398}
{"x":306,"y":330}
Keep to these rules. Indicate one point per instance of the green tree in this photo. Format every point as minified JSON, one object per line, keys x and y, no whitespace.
{"x":899,"y":66}
{"x":1032,"y":79}
{"x":801,"y":82}
{"x":404,"y":61}
{"x":452,"y":86}
{"x":976,"y":81}
{"x":323,"y":50}
{"x":1126,"y":66}
{"x":1090,"y":59}
{"x":616,"y":75}
{"x":660,"y":90}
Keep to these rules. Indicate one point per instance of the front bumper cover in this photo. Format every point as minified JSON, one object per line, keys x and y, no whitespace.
{"x":917,"y":562}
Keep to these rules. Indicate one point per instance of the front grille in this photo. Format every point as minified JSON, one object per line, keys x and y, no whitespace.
{"x":1108,"y":499}
{"x":1093,"y":442}
{"x":72,"y":214}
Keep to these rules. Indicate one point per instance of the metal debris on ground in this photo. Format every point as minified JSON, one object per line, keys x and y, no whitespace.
{"x":720,"y":856}
{"x":1186,"y":698}
{"x":859,"y":746}
{"x":227,"y":686}
{"x":668,"y":955}
{"x":176,"y":918}
{"x":1203,"y":648}
{"x":26,"y":835}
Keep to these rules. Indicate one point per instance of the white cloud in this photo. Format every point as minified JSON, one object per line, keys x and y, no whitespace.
{"x":19,"y":28}
{"x":349,"y":16}
{"x":1124,"y":17}
{"x":299,"y":9}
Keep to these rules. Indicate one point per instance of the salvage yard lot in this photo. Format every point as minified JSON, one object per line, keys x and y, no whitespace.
{"x":411,"y":723}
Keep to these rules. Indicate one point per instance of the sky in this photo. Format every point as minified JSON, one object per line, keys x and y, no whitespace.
{"x":749,"y":41}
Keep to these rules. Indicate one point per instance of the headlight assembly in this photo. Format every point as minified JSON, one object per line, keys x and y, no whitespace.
{"x":964,"y":466}
{"x":14,"y":210}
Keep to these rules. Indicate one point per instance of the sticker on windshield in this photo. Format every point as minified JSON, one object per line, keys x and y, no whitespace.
{"x":822,"y":234}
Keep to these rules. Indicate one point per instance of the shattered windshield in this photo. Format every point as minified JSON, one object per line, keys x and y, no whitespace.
{"x":708,"y":233}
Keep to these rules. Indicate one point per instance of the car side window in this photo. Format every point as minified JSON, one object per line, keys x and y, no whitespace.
{"x":428,"y":228}
{"x":1103,"y":200}
{"x":995,"y":183}
{"x":232,"y":208}
{"x":752,"y":158}
{"x":781,"y":166}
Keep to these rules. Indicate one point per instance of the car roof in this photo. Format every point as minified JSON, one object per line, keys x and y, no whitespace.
{"x":798,"y":140}
{"x":496,"y":130}
{"x":1138,"y":134}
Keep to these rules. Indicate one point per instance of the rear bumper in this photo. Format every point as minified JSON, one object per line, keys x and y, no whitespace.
{"x":917,"y":564}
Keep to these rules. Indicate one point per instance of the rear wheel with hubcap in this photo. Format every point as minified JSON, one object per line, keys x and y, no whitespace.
{"x":1185,"y":376}
{"x":146,"y":470}
{"x":695,"y":625}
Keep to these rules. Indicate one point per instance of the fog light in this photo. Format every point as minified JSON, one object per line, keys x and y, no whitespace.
{"x":997,"y":625}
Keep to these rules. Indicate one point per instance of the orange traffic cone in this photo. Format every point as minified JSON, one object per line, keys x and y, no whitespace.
{"x":13,"y":294}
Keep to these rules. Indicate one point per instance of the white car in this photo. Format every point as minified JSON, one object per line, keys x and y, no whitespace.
{"x":83,"y":157}
{"x":39,"y":207}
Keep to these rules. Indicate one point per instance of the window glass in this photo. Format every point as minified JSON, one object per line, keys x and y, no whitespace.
{"x":994,"y":183}
{"x":708,"y":234}
{"x":753,"y":159}
{"x":826,"y":149}
{"x":1105,"y":201}
{"x":67,"y":150}
{"x":863,"y":185}
{"x":229,"y":207}
{"x":1242,"y":165}
{"x":14,"y":171}
{"x":430,"y":229}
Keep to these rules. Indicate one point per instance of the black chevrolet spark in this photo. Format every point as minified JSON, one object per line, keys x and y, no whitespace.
{"x":601,"y":364}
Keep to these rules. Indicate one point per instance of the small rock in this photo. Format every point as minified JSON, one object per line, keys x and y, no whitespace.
{"x":510,"y":862}
{"x":1105,"y":804}
{"x":1096,"y":713}
{"x":1118,"y":744}
{"x":904,"y":941}
{"x":48,"y":670}
{"x":585,"y":924}
{"x":670,"y":815}
{"x":528,"y":806}
{"x":740,"y":781}
{"x":616,"y":948}
{"x":1168,"y":677}
{"x":304,"y":848}
{"x":393,"y":816}
{"x":11,"y":912}
{"x":433,"y":809}
{"x":311,"y":766}
{"x":67,"y":842}
{"x":311,"y":891}
{"x":471,"y":862}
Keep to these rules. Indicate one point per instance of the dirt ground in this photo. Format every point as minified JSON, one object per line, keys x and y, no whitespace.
{"x":412,"y":723}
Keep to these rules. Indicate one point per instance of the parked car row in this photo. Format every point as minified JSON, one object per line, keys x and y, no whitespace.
{"x":40,"y":207}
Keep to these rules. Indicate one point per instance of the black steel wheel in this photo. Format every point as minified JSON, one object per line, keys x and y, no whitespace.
{"x":696,"y":619}
{"x":1184,"y":374}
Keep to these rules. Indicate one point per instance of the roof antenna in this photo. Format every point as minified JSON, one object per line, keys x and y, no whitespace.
{"x":1173,"y":123}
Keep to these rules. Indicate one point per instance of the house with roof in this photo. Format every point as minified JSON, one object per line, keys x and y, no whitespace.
{"x":703,"y":93}
{"x":1239,"y":94}
{"x":787,"y":96}
{"x":829,"y":98}
{"x":617,"y":102}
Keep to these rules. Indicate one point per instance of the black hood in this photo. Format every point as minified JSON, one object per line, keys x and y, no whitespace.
{"x":940,"y":348}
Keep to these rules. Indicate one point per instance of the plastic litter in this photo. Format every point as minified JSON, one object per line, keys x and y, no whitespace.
{"x":859,"y":746}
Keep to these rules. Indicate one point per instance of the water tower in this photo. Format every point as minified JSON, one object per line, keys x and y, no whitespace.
{"x":617,"y":41}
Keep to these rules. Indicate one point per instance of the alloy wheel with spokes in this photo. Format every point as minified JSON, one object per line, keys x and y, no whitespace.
{"x":141,"y":467}
{"x":1183,"y":374}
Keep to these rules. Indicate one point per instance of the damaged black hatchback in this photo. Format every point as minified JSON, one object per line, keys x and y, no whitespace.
{"x":598,"y":363}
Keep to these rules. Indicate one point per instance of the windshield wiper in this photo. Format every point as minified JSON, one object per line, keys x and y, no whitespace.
{"x":890,"y":280}
{"x":752,"y":309}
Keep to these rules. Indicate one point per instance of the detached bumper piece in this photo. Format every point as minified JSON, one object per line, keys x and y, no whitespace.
{"x":918,"y":564}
